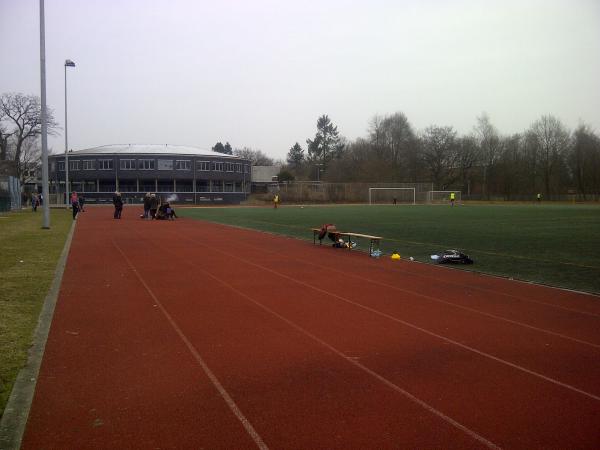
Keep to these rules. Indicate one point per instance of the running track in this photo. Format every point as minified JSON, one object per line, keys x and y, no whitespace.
{"x":189,"y":334}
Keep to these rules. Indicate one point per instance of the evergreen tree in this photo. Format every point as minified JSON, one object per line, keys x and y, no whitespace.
{"x":327,"y":143}
{"x":295,"y":156}
{"x":219,"y":148}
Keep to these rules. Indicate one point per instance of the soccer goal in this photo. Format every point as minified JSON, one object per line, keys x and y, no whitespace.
{"x":391,"y":196}
{"x":443,"y":197}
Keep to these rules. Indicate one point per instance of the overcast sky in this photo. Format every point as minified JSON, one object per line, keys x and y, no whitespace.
{"x":258,"y":73}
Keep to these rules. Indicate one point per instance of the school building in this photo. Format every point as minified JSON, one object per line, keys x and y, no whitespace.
{"x":193,"y":175}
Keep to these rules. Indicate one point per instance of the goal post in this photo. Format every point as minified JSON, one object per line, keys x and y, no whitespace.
{"x":391,"y":196}
{"x":443,"y":197}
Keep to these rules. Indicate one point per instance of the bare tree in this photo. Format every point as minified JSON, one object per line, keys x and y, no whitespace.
{"x":393,"y":141}
{"x":438,"y":150}
{"x":257,"y":157}
{"x":24,"y":114}
{"x":584,"y":161}
{"x":489,"y":146}
{"x":30,"y":161}
{"x":551,"y":141}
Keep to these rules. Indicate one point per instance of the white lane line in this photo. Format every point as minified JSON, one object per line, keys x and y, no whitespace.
{"x":482,"y":289}
{"x":349,"y":359}
{"x":213,"y":378}
{"x":410,"y":325}
{"x":438,"y":300}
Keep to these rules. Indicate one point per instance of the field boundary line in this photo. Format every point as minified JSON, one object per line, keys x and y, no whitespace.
{"x":438,"y":300}
{"x":349,"y":359}
{"x":408,"y":324}
{"x":209,"y":373}
{"x":466,"y":308}
{"x":16,"y":413}
{"x":500,"y":277}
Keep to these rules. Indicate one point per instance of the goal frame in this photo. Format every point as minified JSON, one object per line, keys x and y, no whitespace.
{"x":414,"y":192}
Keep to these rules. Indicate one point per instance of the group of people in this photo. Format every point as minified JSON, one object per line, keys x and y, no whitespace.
{"x":331,"y":231}
{"x":155,"y":208}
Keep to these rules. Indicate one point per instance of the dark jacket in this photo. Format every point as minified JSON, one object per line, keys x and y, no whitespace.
{"x":117,"y":201}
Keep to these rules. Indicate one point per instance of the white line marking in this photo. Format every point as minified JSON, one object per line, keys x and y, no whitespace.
{"x":395,"y":319}
{"x":213,"y":378}
{"x":349,"y":359}
{"x":466,"y":308}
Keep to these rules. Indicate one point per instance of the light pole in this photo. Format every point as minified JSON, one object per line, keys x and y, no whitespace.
{"x":45,"y":191}
{"x":68,"y":63}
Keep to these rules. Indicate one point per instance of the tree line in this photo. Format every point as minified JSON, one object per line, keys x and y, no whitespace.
{"x":546,"y":158}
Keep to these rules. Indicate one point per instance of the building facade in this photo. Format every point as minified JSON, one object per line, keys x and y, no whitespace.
{"x":185,"y":174}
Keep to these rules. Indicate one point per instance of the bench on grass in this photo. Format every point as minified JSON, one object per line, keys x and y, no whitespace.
{"x":374,"y":241}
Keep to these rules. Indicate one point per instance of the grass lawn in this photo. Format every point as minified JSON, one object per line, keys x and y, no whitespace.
{"x":557,"y":245}
{"x":27,"y":265}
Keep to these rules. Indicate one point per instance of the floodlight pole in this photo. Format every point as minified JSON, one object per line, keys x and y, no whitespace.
{"x":68,"y":63}
{"x":45,"y":191}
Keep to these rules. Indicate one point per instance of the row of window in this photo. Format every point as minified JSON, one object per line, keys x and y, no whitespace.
{"x":146,"y":186}
{"x":150,"y":164}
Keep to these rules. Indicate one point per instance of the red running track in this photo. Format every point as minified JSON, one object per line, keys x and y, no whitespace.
{"x":189,"y":334}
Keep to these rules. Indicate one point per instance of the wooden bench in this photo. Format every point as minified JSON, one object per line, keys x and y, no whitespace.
{"x":374,"y":241}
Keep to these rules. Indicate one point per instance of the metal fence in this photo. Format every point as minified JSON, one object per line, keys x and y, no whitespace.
{"x":318,"y":192}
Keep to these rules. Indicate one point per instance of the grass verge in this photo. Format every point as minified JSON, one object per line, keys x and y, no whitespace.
{"x":27,"y":265}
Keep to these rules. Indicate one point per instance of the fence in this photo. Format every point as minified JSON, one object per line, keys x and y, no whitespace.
{"x":317,"y":192}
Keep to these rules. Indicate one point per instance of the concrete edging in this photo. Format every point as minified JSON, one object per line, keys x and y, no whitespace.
{"x":16,"y":413}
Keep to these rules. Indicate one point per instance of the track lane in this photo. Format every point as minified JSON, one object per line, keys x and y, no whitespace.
{"x":210,"y":260}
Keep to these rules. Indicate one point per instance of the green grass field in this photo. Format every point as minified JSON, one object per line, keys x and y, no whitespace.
{"x":27,"y":266}
{"x":557,"y":245}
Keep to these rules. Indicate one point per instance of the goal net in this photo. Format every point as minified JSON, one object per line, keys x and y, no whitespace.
{"x":391,"y":196}
{"x":443,"y":197}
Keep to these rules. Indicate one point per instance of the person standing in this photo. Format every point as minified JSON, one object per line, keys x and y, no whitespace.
{"x":34,"y":202}
{"x":147,"y":198}
{"x":452,"y":198}
{"x":74,"y":204}
{"x":276,"y":201}
{"x":81,"y":202}
{"x":153,"y":206}
{"x":118,"y":203}
{"x":539,"y":198}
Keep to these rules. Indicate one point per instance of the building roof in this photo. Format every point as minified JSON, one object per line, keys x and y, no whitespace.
{"x":146,"y":149}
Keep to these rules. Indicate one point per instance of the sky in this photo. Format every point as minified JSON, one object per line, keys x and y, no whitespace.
{"x":259,"y":73}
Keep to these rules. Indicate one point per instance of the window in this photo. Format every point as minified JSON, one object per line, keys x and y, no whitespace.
{"x":183,"y":165}
{"x":238,"y":168}
{"x":165,"y":164}
{"x":246,"y":168}
{"x":146,"y":164}
{"x":127,"y":164}
{"x":203,"y":165}
{"x":74,"y":165}
{"x":88,"y":164}
{"x":217,"y":166}
{"x":52,"y":166}
{"x":229,"y":186}
{"x":61,"y":166}
{"x":202,"y":186}
{"x":105,"y":164}
{"x":216,"y":186}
